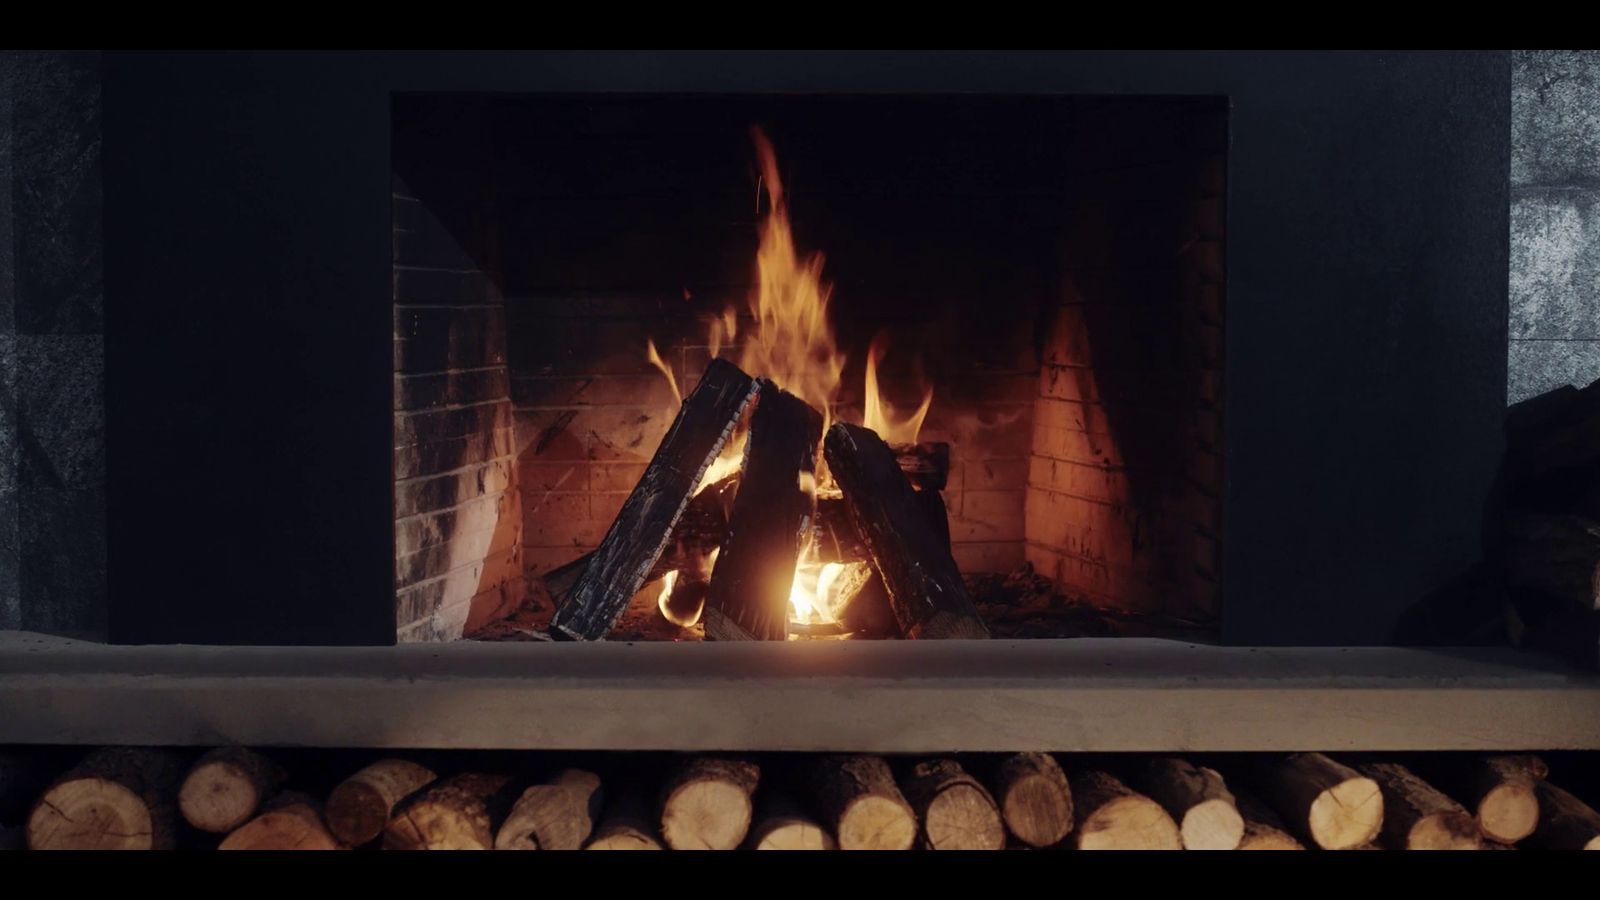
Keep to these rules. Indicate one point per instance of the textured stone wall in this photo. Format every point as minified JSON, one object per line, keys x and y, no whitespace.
{"x":1555,"y":221}
{"x":52,"y":447}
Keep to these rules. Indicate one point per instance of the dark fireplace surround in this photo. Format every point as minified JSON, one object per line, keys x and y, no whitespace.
{"x":278,"y":265}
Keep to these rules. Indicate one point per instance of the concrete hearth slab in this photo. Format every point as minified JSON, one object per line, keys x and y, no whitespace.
{"x":1076,"y":695}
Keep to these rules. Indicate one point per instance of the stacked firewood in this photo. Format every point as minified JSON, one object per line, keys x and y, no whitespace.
{"x":1548,"y":538}
{"x":233,"y":798}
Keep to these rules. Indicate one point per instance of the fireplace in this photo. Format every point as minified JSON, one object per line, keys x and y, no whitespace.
{"x":1028,"y":291}
{"x":458,"y":263}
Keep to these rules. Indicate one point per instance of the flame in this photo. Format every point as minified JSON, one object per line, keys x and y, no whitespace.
{"x":667,"y":581}
{"x":655,"y":360}
{"x":792,"y":343}
{"x":878,"y":415}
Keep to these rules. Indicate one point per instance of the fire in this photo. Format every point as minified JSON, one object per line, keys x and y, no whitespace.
{"x":792,"y":343}
{"x":878,"y":415}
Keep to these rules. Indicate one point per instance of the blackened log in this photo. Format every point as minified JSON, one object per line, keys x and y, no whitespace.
{"x":618,"y":567}
{"x":920,"y":575}
{"x":754,"y":573}
{"x":926,"y":465}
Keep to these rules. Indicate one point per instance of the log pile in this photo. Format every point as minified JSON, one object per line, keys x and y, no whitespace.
{"x":731,"y":547}
{"x":135,"y":798}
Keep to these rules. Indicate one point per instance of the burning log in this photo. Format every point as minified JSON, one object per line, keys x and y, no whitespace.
{"x":1565,"y":822}
{"x":1558,"y":555}
{"x":749,"y":594}
{"x":1112,"y":816}
{"x":781,"y":825}
{"x":1198,"y":799}
{"x":1263,"y":830}
{"x":1500,"y":791}
{"x":1418,"y":817}
{"x":927,"y":465}
{"x":618,"y":567}
{"x":858,"y":798}
{"x":291,"y":821}
{"x":923,"y":583}
{"x":358,"y":810}
{"x":705,"y":803}
{"x":225,"y":787}
{"x":858,"y":602}
{"x":624,"y":827}
{"x":1333,"y":805}
{"x":556,"y":815}
{"x":1034,"y":797}
{"x":957,"y":813}
{"x":117,"y":798}
{"x":456,"y":813}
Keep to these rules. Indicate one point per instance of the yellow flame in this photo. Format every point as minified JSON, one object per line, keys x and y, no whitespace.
{"x":878,"y":415}
{"x":667,"y":581}
{"x":792,"y":343}
{"x":655,"y":360}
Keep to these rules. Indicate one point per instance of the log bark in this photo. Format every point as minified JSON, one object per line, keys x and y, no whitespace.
{"x":1565,"y":822}
{"x":556,"y":815}
{"x":1325,"y":802}
{"x":225,"y":788}
{"x":923,"y":583}
{"x":1263,"y":830}
{"x":1198,"y":799}
{"x":1418,"y":817}
{"x":706,"y":805}
{"x":618,"y":567}
{"x":858,"y":799}
{"x":1500,"y":791}
{"x":625,"y":826}
{"x":455,"y":813}
{"x":1034,"y":797}
{"x":1557,"y":555}
{"x":772,"y":514}
{"x":359,"y":808}
{"x":117,"y":798}
{"x":290,"y":821}
{"x":1112,"y":816}
{"x":780,"y":824}
{"x":956,"y":810}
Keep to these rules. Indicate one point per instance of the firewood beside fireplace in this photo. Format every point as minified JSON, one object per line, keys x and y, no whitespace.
{"x":126,"y":799}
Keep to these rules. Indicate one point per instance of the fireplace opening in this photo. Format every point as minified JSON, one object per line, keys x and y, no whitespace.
{"x":808,"y":367}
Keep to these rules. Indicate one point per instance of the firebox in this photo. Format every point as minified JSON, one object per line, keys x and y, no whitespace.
{"x":1019,"y":299}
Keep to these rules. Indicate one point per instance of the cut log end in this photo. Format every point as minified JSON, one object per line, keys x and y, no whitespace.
{"x":1508,"y":813}
{"x":358,"y":809}
{"x":90,"y":814}
{"x":791,"y":833}
{"x":292,"y":822}
{"x":1130,"y":823}
{"x":1213,"y":824}
{"x":874,"y":822}
{"x":1444,"y":831}
{"x":1347,"y":815}
{"x":964,"y":818}
{"x":706,"y":815}
{"x":226,"y":787}
{"x":1034,"y":798}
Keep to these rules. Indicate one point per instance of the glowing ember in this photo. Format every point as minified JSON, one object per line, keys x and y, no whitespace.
{"x":792,"y":343}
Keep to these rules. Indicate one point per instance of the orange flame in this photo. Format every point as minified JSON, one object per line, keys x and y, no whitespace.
{"x":792,"y":343}
{"x":878,"y":415}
